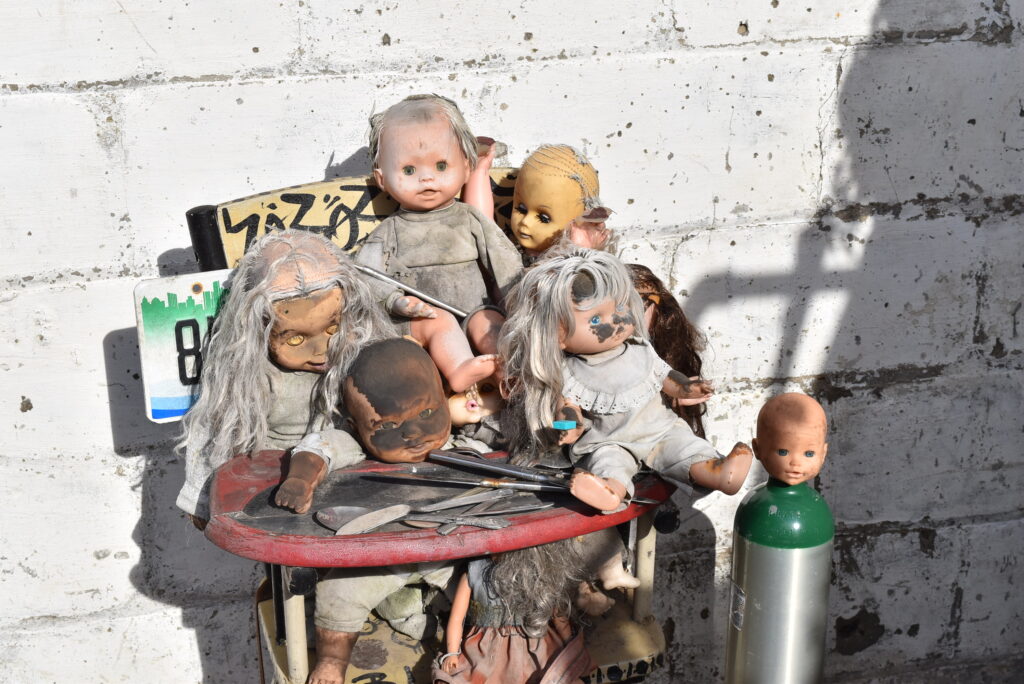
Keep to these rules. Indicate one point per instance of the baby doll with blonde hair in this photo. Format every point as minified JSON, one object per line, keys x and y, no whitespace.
{"x":295,"y":316}
{"x":556,"y":199}
{"x":575,"y":348}
{"x":423,"y":154}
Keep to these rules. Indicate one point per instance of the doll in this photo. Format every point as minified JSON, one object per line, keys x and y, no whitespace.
{"x":296,"y":314}
{"x":519,"y":605}
{"x":674,"y":338}
{"x":556,"y":198}
{"x":395,"y":403}
{"x":477,"y":413}
{"x":574,"y":347}
{"x":423,"y":153}
{"x":790,"y":441}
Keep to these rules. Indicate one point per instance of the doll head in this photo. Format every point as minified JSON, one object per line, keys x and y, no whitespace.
{"x":422,"y":151}
{"x":479,"y":401}
{"x":395,"y":401}
{"x":582,"y":302}
{"x":294,"y":302}
{"x":673,"y":337}
{"x":790,"y":439}
{"x":555,"y":187}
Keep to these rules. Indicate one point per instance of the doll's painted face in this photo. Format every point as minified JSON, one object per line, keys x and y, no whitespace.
{"x":397,"y":405}
{"x":790,"y":439}
{"x":479,"y":401}
{"x":303,"y":327}
{"x":599,"y":328}
{"x":421,"y":164}
{"x":542,"y":207}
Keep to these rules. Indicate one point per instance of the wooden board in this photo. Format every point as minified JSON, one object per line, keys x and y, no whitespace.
{"x":243,"y":487}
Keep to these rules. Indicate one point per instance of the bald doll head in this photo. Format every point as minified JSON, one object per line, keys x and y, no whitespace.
{"x":396,"y":403}
{"x":790,"y":439}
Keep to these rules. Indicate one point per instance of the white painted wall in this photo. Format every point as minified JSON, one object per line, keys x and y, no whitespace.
{"x":836,"y":188}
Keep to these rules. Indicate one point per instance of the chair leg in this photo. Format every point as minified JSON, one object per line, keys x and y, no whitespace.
{"x":295,"y":628}
{"x":646,"y":540}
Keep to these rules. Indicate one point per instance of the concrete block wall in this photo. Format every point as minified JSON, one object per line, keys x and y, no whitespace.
{"x":834,"y":190}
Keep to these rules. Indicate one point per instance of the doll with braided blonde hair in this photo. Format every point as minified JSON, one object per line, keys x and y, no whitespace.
{"x":556,"y":198}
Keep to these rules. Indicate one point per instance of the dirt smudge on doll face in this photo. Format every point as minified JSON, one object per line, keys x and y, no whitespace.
{"x":396,"y":402}
{"x":606,"y":331}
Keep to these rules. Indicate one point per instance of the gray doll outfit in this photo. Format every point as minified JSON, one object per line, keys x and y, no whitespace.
{"x":455,"y":254}
{"x":619,"y":391}
{"x":287,"y":426}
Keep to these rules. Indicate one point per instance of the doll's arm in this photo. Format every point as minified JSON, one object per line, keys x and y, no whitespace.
{"x":477,"y":190}
{"x":688,"y":391}
{"x":452,"y":659}
{"x":567,"y":411}
{"x":305,"y":471}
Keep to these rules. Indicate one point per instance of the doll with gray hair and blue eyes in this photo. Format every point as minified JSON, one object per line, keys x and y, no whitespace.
{"x":575,"y":349}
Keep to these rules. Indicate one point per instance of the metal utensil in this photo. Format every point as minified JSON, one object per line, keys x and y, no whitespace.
{"x":342,"y":521}
{"x":480,"y":482}
{"x":460,"y":457}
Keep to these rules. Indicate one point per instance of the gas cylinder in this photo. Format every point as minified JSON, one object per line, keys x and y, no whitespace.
{"x":781,"y":567}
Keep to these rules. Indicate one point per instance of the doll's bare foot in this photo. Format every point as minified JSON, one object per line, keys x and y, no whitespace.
{"x":295,"y":494}
{"x":333,"y":653}
{"x":724,"y":474}
{"x":472,"y":371}
{"x":592,"y":600}
{"x":603,"y":494}
{"x":614,"y":576}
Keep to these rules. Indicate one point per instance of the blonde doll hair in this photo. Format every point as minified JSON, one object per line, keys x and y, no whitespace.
{"x":541,"y":308}
{"x":563,"y":161}
{"x":423,"y":109}
{"x":235,"y":395}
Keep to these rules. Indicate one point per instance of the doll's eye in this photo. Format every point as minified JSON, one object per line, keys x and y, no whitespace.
{"x":544,"y":218}
{"x":442,"y":165}
{"x":521,"y":208}
{"x":408,"y":170}
{"x":809,"y":454}
{"x":783,"y":452}
{"x":594,"y":320}
{"x":332,"y":329}
{"x":426,"y":413}
{"x":295,"y":340}
{"x":388,"y":425}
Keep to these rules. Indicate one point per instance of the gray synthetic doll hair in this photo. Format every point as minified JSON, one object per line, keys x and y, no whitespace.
{"x":235,"y":395}
{"x":423,"y":109}
{"x":537,"y":583}
{"x":541,"y":307}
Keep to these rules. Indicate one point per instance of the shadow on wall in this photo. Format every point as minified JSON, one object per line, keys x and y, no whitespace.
{"x":910,"y":273}
{"x":177,"y":566}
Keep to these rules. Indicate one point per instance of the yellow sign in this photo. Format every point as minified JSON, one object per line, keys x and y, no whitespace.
{"x":344,"y":210}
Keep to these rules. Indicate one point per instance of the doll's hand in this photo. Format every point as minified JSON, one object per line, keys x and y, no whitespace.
{"x":567,"y":411}
{"x":591,"y":235}
{"x":412,"y":307}
{"x":450,"y":662}
{"x":295,"y":494}
{"x":697,"y":392}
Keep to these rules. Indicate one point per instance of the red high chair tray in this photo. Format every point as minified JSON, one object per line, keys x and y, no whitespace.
{"x":244,"y":521}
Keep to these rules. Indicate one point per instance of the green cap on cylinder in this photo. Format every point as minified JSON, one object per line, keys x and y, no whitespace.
{"x":785,"y":516}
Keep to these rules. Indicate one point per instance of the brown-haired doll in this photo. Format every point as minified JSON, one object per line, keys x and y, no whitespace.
{"x":673,"y":336}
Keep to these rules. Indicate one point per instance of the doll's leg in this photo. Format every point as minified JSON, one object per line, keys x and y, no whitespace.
{"x":483,"y":329}
{"x":344,"y":597}
{"x":605,"y":478}
{"x":724,"y":474}
{"x":448,"y":347}
{"x":685,"y":459}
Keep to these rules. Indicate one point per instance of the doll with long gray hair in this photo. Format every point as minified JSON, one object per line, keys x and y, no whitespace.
{"x":295,"y":316}
{"x":518,"y":605}
{"x":575,"y":349}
